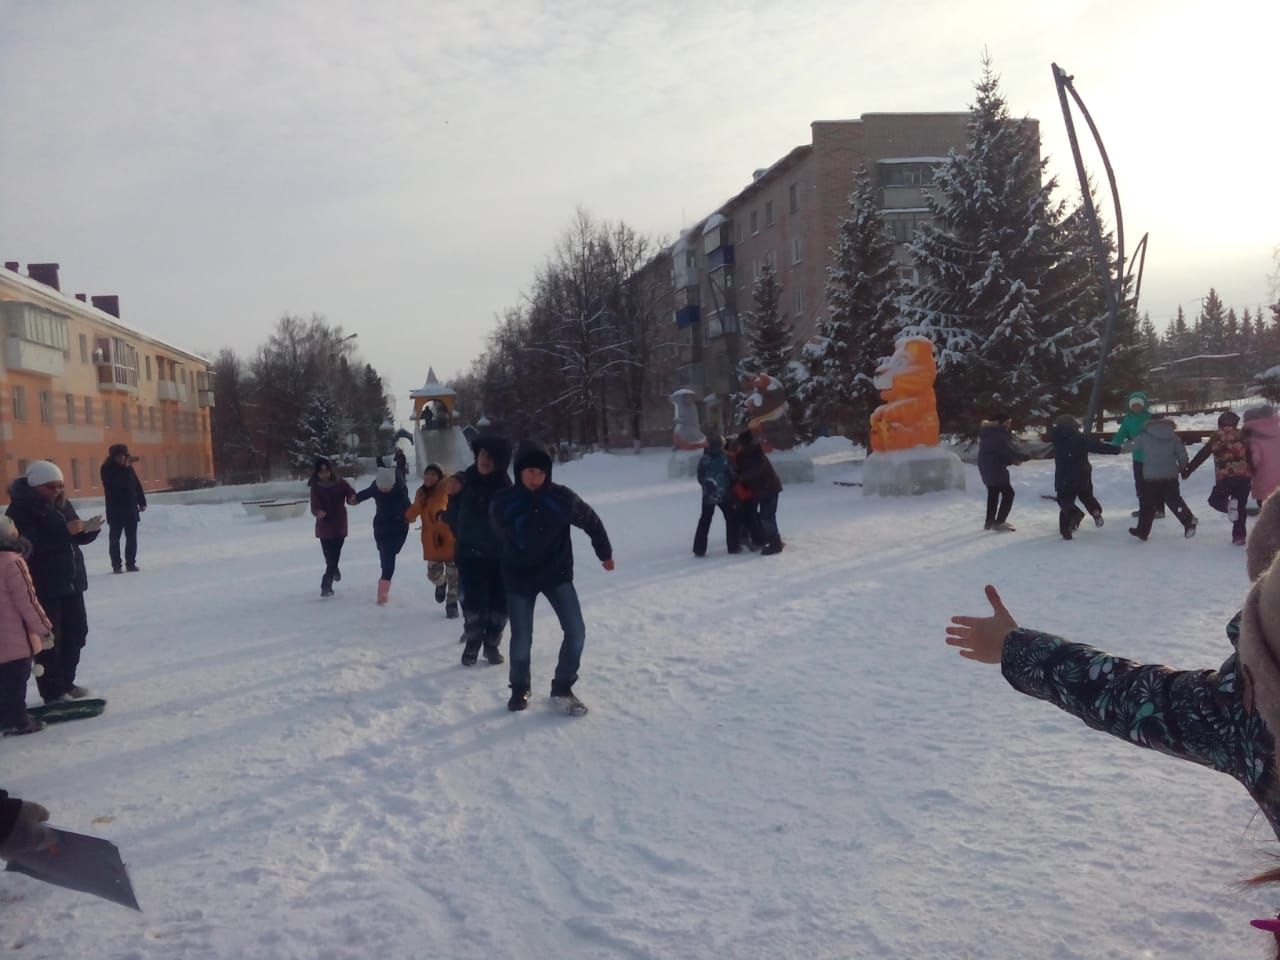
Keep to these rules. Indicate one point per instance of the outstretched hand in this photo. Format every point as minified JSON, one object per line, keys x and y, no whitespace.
{"x":607,"y":564}
{"x":982,"y":638}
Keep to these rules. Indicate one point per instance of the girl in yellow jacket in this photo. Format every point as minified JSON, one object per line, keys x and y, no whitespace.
{"x":437,"y":538}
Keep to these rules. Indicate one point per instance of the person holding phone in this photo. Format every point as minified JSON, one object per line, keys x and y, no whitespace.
{"x":125,"y":503}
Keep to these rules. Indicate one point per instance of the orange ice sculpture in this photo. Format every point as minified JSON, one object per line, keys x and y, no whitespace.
{"x":909,"y":416}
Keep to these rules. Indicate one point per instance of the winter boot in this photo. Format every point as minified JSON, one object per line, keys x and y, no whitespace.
{"x":32,"y":725}
{"x":76,"y":692}
{"x":563,"y":700}
{"x":131,"y":568}
{"x":440,"y":591}
{"x":1135,"y":532}
{"x":470,"y":652}
{"x":326,"y":585}
{"x":1004,"y":526}
{"x":493,"y":654}
{"x":384,"y":592}
{"x":771,"y":548}
{"x":1189,"y":530}
{"x":337,"y":575}
{"x":519,"y":699}
{"x":1097,"y":519}
{"x":988,"y":524}
{"x":451,"y":611}
{"x":117,"y":569}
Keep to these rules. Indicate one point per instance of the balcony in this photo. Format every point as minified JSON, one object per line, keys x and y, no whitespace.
{"x":205,"y":398}
{"x":173,"y":391}
{"x":719,"y":258}
{"x":688,"y":316}
{"x":37,"y":338}
{"x":31,"y":357}
{"x":115,"y":378}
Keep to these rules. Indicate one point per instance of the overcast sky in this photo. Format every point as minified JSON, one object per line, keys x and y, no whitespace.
{"x":403,"y":168}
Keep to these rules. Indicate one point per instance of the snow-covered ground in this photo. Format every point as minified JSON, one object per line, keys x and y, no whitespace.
{"x":782,"y":760}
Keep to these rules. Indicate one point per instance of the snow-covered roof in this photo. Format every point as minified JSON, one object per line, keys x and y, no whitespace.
{"x":713,"y":221}
{"x":1206,"y":356}
{"x":913,"y":160}
{"x":82,"y":308}
{"x":432,"y":388}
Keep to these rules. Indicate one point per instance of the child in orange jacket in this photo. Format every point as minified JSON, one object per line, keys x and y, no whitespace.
{"x":437,"y":539}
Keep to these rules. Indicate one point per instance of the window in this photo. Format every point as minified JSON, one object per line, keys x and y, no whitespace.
{"x":153,"y":418}
{"x":795,"y":249}
{"x":37,"y":325}
{"x":71,"y":409}
{"x":755,"y":222}
{"x":772,"y":260}
{"x":148,"y":369}
{"x":75,"y":474}
{"x":139,"y":420}
{"x":755,"y":269}
{"x":905,"y":225}
{"x":22,"y":468}
{"x":106,"y":413}
{"x":20,"y":405}
{"x":793,"y":197}
{"x":124,"y":415}
{"x":797,"y":299}
{"x":768,"y":213}
{"x":46,"y":406}
{"x":908,"y":275}
{"x":84,"y":348}
{"x":88,"y":410}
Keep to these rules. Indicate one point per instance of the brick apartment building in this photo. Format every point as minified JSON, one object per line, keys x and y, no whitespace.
{"x":786,"y":216}
{"x":74,"y":379}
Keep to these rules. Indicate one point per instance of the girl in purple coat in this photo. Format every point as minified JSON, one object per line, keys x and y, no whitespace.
{"x":330,"y":495}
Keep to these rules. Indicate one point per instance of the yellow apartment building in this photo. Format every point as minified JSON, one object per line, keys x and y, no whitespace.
{"x":74,"y":380}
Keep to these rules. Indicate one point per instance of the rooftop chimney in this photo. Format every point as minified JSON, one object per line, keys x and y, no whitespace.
{"x":108,"y":303}
{"x":46,"y":273}
{"x":11,"y":265}
{"x":82,"y":297}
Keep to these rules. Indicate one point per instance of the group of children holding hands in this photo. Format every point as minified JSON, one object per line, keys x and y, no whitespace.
{"x":491,"y":543}
{"x":1246,"y":463}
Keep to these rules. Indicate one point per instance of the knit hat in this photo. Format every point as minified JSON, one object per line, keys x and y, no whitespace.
{"x":532,"y":454}
{"x":117,"y":450}
{"x":1067,"y":422}
{"x":1261,"y":412}
{"x":385,"y":478}
{"x":714,"y":443}
{"x":41,"y":472}
{"x":1228,"y":419}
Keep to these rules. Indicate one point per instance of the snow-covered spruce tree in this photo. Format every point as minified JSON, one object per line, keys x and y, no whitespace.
{"x":860,"y":326}
{"x":317,"y":434}
{"x":769,"y":341}
{"x":1001,"y":285}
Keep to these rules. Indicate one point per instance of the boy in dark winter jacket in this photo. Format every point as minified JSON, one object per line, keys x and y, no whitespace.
{"x":715,"y":476}
{"x":755,"y":470}
{"x":1163,"y":457}
{"x":1073,"y":475}
{"x":125,"y":503}
{"x":996,"y":454}
{"x":478,"y":549}
{"x":1231,"y":473}
{"x":532,"y":520}
{"x":390,"y":528}
{"x":33,"y":506}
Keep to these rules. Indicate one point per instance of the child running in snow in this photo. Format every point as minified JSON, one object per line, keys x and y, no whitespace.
{"x":1073,"y":474}
{"x":25,"y":630}
{"x":1131,"y":427}
{"x":1227,"y":719}
{"x":1163,"y":457}
{"x":429,"y":503}
{"x":390,"y":528}
{"x":1231,"y":474}
{"x":996,"y":454}
{"x":330,"y":495}
{"x":532,"y":520}
{"x":715,"y":476}
{"x":477,"y":549}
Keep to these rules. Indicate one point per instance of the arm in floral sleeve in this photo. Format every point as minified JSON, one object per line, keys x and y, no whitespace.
{"x":1197,"y":715}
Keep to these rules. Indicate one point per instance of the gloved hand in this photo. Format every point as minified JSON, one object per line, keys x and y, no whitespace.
{"x":709,"y":488}
{"x":29,"y":834}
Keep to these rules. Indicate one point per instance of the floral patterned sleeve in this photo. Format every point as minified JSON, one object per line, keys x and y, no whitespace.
{"x":1198,"y":715}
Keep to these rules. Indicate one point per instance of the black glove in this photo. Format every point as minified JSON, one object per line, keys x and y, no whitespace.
{"x":29,"y":833}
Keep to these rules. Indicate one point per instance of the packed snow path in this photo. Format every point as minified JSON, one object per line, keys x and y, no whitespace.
{"x":782,"y":760}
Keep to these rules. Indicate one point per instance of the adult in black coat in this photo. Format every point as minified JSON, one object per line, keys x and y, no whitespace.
{"x":125,"y":502}
{"x":478,"y":549}
{"x":75,"y":618}
{"x":1073,"y":474}
{"x":755,"y":470}
{"x":33,"y":508}
{"x":996,"y":453}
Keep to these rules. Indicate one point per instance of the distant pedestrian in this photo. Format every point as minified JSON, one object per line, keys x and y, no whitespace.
{"x":126,"y":502}
{"x":996,"y":454}
{"x":390,"y":528}
{"x":330,"y":497}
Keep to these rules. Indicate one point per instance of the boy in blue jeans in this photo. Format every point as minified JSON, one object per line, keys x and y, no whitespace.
{"x":532,"y":519}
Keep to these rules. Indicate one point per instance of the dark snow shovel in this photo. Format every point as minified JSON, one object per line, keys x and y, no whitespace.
{"x":78,"y":862}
